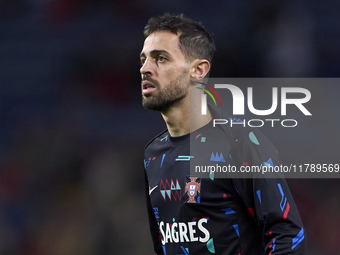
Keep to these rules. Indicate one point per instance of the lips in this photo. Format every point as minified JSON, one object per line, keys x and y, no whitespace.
{"x":147,"y":87}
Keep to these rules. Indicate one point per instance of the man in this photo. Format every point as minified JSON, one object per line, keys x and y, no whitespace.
{"x":190,"y":214}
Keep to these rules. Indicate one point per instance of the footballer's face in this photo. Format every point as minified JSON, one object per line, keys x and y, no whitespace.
{"x":164,"y":71}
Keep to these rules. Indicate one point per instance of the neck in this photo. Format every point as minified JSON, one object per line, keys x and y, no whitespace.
{"x":185,"y":117}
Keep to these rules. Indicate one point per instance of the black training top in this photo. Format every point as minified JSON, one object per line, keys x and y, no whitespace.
{"x":198,"y":212}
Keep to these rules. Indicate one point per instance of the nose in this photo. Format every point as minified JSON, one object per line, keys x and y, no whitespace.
{"x":146,"y":67}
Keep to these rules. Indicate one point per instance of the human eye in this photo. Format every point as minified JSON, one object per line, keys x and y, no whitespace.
{"x":142,"y":61}
{"x":161,"y":58}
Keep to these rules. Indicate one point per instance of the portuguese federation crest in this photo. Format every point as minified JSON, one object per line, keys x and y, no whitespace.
{"x":193,"y":188}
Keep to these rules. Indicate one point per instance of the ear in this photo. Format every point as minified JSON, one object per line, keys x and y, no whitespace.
{"x":199,"y":68}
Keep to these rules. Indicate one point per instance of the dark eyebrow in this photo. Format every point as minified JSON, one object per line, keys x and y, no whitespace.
{"x":154,"y":52}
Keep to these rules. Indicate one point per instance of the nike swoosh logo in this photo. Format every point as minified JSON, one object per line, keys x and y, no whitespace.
{"x":150,"y":190}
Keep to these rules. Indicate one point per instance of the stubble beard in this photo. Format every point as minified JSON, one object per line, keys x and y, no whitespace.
{"x":168,"y":96}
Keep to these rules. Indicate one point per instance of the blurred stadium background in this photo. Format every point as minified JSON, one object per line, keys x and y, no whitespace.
{"x":72,"y":128}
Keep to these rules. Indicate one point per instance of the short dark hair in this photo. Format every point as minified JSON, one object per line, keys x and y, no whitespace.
{"x":194,"y":40}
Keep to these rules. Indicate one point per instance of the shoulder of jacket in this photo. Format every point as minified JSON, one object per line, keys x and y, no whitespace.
{"x":157,"y":136}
